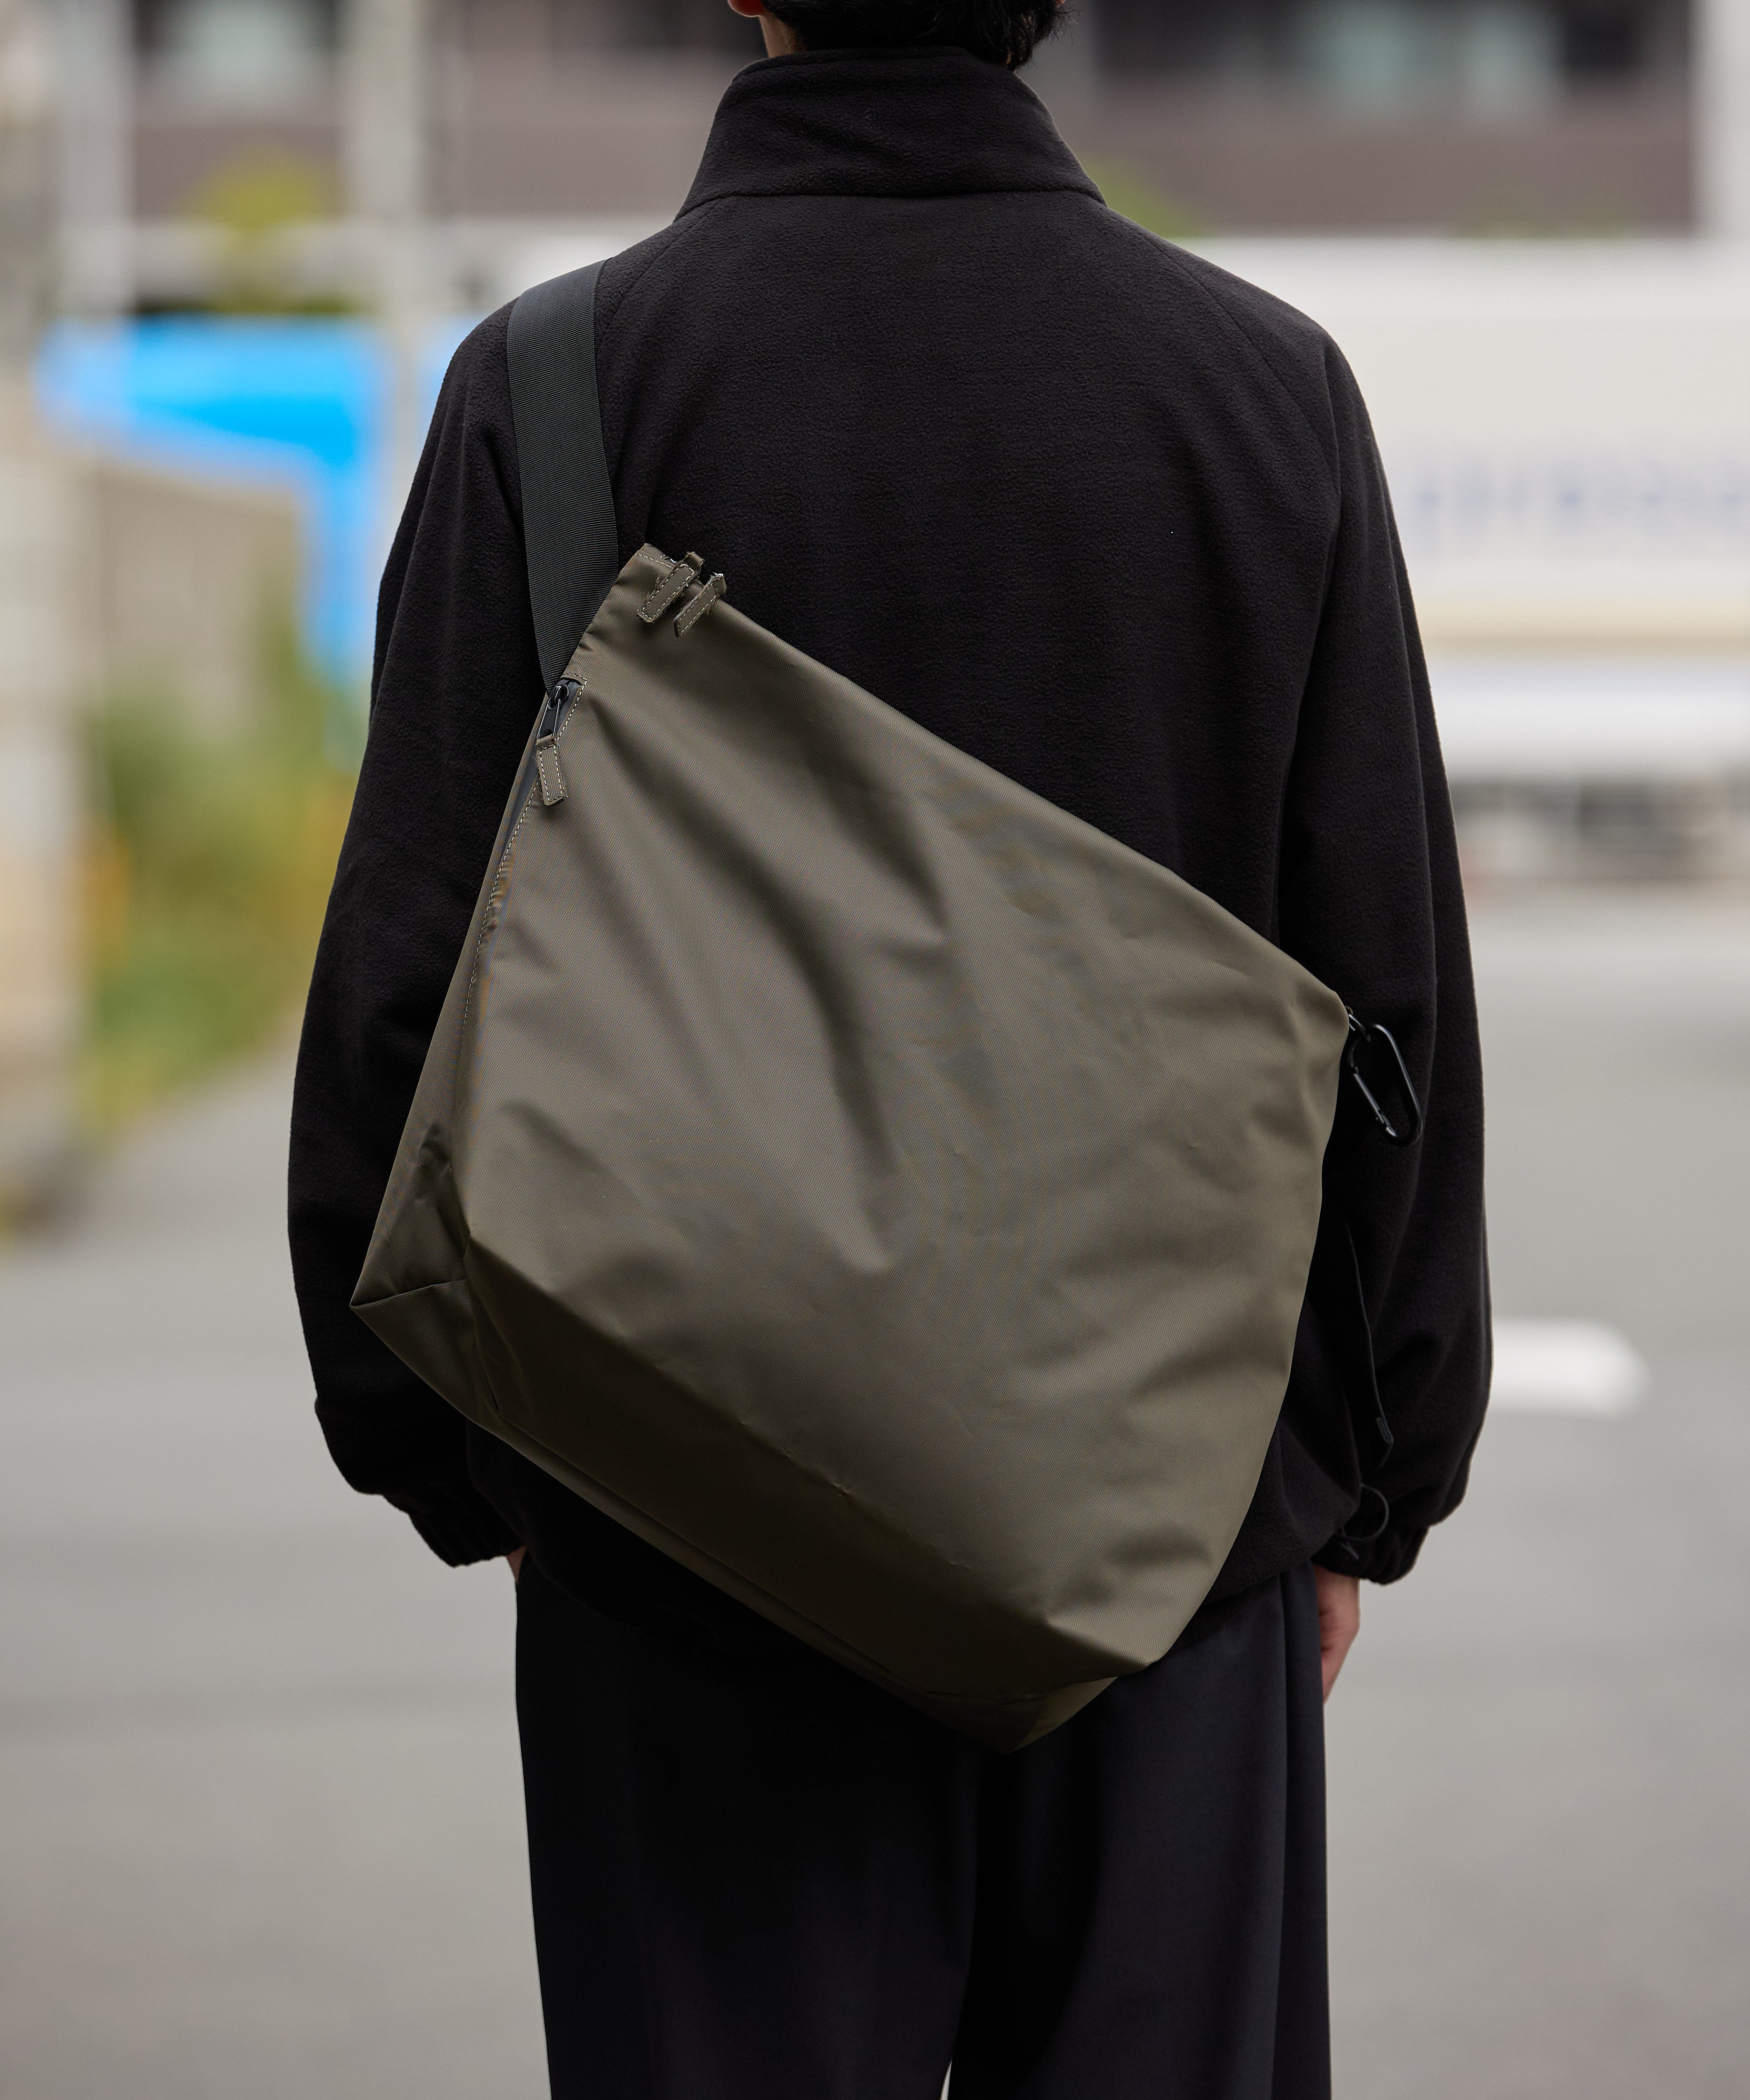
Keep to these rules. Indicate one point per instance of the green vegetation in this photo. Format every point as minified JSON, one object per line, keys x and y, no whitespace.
{"x":255,"y":202}
{"x":209,"y":866}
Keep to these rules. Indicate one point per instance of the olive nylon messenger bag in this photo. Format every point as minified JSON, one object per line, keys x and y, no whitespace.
{"x":868,"y":1183}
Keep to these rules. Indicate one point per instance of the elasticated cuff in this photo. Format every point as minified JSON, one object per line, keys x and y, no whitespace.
{"x":459,"y":1525}
{"x":1382,"y":1559}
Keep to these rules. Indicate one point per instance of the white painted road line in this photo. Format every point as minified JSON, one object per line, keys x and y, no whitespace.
{"x":1565,"y":1367}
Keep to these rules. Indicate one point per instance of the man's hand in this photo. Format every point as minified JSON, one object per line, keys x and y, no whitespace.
{"x":514,"y":1558}
{"x":1339,"y":1620}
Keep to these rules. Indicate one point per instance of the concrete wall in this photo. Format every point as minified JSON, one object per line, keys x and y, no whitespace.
{"x":179,"y":578}
{"x":39,"y":806}
{"x":113,"y":577}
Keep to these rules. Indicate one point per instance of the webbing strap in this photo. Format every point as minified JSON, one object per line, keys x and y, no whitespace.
{"x":567,"y":504}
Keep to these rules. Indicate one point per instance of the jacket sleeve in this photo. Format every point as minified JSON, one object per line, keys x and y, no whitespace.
{"x":456,"y":684}
{"x":1371,"y":901}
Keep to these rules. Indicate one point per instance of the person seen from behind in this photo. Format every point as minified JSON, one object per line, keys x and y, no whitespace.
{"x":1107,"y":518}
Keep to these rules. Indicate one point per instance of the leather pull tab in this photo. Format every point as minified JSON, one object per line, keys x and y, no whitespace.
{"x":692,"y":613}
{"x":680,"y":576}
{"x":554,"y":709}
{"x":548,"y":771}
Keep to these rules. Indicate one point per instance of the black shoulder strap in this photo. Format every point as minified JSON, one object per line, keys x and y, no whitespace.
{"x":567,"y":504}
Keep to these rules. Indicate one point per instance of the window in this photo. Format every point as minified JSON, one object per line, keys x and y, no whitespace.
{"x":240,"y":51}
{"x":1384,"y":56}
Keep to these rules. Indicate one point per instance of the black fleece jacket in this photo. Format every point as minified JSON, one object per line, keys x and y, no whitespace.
{"x":1092,"y":509}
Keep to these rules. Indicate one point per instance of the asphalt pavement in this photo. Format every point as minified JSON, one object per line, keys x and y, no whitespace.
{"x":260,"y":1817}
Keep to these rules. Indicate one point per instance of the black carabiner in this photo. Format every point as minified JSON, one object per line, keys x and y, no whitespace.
{"x":1361,"y":1035}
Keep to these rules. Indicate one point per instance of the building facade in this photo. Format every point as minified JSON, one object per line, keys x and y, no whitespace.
{"x":1464,"y":116}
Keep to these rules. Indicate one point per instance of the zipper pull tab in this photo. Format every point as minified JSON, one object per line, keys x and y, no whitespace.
{"x":548,"y":770}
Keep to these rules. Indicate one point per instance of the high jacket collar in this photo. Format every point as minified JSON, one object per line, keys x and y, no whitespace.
{"x":930,"y":122}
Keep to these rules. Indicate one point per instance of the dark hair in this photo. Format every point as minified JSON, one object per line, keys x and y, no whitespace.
{"x":1002,"y":31}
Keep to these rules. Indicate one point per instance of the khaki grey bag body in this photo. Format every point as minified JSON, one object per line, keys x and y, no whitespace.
{"x":877,"y":1188}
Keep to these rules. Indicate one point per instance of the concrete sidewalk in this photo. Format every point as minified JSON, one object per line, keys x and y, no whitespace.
{"x":260,"y":1817}
{"x":260,"y":1805}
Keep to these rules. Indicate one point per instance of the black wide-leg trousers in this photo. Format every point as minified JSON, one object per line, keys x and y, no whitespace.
{"x":762,"y":1880}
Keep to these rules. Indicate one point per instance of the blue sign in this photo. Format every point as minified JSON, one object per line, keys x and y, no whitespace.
{"x":300,"y":404}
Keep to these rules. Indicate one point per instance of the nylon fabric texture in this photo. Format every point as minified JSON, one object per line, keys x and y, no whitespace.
{"x":872,"y":1184}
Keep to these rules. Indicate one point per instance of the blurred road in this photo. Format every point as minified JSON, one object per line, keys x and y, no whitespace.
{"x":1540,"y":1838}
{"x":261,"y":1827}
{"x":260,"y":1822}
